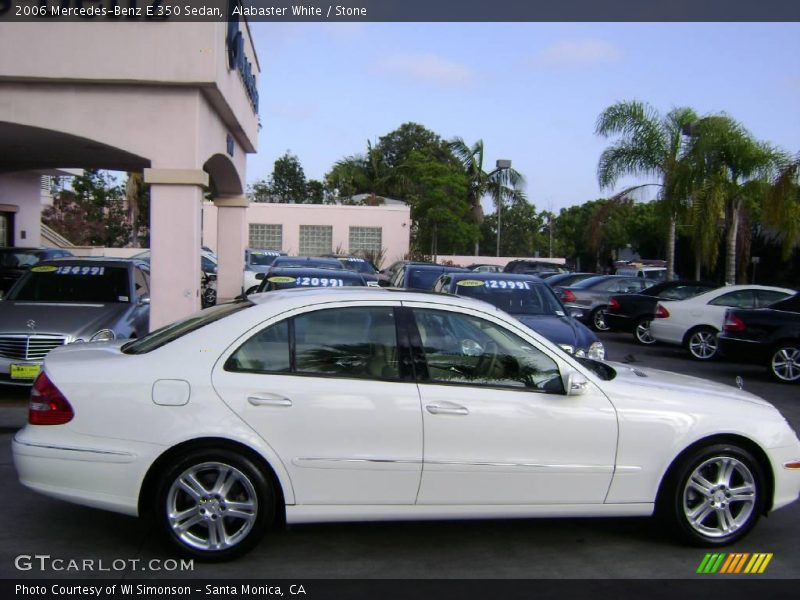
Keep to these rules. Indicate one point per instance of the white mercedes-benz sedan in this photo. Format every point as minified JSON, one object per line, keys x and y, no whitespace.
{"x":357,"y":404}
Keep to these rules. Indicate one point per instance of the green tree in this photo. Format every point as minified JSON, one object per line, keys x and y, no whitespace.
{"x":782,"y":206}
{"x":521,"y":229}
{"x":288,"y":181}
{"x":731,"y":171}
{"x":501,"y":184}
{"x":315,"y":192}
{"x":647,"y":145}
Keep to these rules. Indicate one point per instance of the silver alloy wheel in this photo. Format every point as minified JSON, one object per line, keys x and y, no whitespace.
{"x":212,"y":506}
{"x":599,"y":319}
{"x":719,"y":497}
{"x":642,"y":333}
{"x":785,"y":364}
{"x":703,"y":344}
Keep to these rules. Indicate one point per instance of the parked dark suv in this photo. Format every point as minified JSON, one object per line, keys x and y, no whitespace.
{"x":532,"y":267}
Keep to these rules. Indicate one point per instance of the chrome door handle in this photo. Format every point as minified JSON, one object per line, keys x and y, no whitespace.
{"x":454,"y":409}
{"x":268,"y":400}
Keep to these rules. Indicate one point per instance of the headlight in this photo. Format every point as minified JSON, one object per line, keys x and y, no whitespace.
{"x":104,"y":335}
{"x":597,"y":351}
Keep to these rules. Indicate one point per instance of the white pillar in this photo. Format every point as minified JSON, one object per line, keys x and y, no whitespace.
{"x":231,"y":242}
{"x":176,"y":197}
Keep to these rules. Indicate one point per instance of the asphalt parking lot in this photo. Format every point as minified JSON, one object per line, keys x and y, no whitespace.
{"x":545,"y":548}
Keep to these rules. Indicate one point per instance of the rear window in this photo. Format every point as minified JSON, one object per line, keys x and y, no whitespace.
{"x":73,"y":283}
{"x":173,"y":331}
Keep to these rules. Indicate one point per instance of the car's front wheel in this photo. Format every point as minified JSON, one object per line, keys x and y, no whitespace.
{"x":716,"y":495}
{"x":214,"y":504}
{"x":702,"y":343}
{"x":641,"y":333}
{"x":784,"y":363}
{"x":599,"y":319}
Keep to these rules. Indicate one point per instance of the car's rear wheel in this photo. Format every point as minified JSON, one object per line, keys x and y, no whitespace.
{"x":702,"y":343}
{"x":784,"y":363}
{"x":214,"y":504}
{"x":598,"y":319}
{"x":715,"y":495}
{"x":641,"y":333}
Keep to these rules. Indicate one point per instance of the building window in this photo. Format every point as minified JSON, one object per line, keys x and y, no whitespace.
{"x":365,"y":240}
{"x":266,"y":237}
{"x":316,"y":240}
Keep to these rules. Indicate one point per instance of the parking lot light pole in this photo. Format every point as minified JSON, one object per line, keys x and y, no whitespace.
{"x":501,"y":165}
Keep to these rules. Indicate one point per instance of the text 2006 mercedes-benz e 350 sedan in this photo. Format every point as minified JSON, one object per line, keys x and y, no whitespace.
{"x":358,"y":404}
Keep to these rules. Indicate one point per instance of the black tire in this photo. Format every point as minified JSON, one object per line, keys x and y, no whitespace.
{"x":210,"y":494}
{"x":597,"y":319}
{"x":701,"y":343}
{"x":714,"y":496}
{"x":641,"y":332}
{"x":784,"y":363}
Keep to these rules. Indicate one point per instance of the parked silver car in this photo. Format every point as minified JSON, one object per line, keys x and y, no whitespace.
{"x":69,"y":300}
{"x":587,"y":300}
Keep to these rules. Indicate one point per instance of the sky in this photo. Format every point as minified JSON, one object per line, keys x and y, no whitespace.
{"x":531,"y":91}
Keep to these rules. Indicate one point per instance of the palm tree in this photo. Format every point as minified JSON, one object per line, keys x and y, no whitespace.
{"x":731,"y":170}
{"x":501,"y":184}
{"x":134,"y":187}
{"x":648,"y":145}
{"x":366,"y":173}
{"x":782,"y":205}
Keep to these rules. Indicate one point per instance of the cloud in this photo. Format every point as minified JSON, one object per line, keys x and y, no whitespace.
{"x":424,"y":68}
{"x":577,"y":54}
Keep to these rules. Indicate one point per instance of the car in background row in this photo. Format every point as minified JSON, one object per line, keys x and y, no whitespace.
{"x":208,"y":274}
{"x":769,"y":336}
{"x":532,"y":267}
{"x":14,"y":262}
{"x":587,"y":299}
{"x":69,"y":300}
{"x":421,"y":276}
{"x":284,"y":278}
{"x":562,"y":280}
{"x":531,"y":301}
{"x":360,"y":265}
{"x":257,"y":260}
{"x":633,"y":312}
{"x":695,"y":323}
{"x":296,"y":262}
{"x":356,"y":404}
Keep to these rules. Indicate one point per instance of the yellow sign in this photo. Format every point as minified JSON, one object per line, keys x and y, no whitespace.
{"x":24,"y":371}
{"x":470,"y":282}
{"x":44,"y":269}
{"x":282,"y":279}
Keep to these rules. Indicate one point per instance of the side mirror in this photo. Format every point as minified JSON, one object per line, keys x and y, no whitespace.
{"x":260,"y":276}
{"x":575,"y":384}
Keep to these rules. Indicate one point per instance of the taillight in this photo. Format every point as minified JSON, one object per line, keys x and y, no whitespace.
{"x":733,"y":323}
{"x":568,"y":296}
{"x":661,"y":312}
{"x":48,"y":406}
{"x":613,"y":303}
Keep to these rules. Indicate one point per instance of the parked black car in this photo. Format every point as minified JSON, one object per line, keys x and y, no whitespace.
{"x":769,"y":336}
{"x":15,"y":262}
{"x":532,"y":267}
{"x":633,"y":312}
{"x":421,"y":276}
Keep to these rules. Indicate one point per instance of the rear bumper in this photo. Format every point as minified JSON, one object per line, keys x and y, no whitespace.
{"x":664,"y":331}
{"x":742,"y":350}
{"x":619,"y":322}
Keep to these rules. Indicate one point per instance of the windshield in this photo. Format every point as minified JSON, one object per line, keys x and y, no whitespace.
{"x":590,"y":282}
{"x":173,"y":331}
{"x":73,"y":283}
{"x":262,"y":259}
{"x":309,"y":263}
{"x":358,"y":265}
{"x":514,"y":297}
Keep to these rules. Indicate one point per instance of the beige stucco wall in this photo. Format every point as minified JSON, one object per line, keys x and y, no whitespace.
{"x":23,"y":190}
{"x":395,"y":222}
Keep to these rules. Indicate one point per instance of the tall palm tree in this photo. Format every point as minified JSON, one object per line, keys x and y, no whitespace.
{"x":501,"y":184}
{"x":134,"y":186}
{"x":731,"y":170}
{"x":782,"y":205}
{"x":647,"y":145}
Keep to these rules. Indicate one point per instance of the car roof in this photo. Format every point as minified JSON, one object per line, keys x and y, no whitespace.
{"x":95,"y":260}
{"x":321,"y":295}
{"x":725,"y":289}
{"x":498,"y":276}
{"x":313,"y":272}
